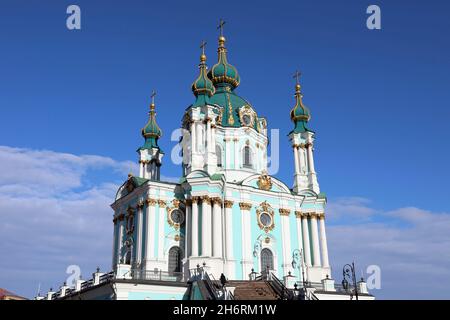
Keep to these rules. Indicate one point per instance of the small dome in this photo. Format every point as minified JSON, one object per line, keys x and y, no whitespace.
{"x":300,"y":114}
{"x":223,"y":72}
{"x":151,"y":132}
{"x":202,"y":85}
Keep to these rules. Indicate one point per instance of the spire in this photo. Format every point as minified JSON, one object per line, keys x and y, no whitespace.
{"x":202,"y":87}
{"x":151,"y":132}
{"x":223,"y":74}
{"x":300,"y":114}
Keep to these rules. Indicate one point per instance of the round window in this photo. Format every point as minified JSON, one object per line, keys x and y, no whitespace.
{"x":177,"y":216}
{"x":265,"y":219}
{"x":247,"y":119}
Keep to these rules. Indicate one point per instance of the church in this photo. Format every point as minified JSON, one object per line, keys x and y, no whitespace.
{"x":227,"y":230}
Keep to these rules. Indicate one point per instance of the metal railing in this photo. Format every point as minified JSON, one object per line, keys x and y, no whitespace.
{"x":157,"y":275}
{"x":283,"y":292}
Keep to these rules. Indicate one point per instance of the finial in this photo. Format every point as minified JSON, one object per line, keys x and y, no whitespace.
{"x":152,"y":104}
{"x":221,"y":37}
{"x":203,"y":56}
{"x":220,"y":27}
{"x":297,"y":75}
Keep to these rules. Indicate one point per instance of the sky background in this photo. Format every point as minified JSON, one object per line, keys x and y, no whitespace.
{"x":72,"y":105}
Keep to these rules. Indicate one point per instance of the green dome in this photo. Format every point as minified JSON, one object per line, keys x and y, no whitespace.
{"x":151,"y":132}
{"x":230,"y":103}
{"x":223,"y":72}
{"x":300,"y":114}
{"x":202,"y":87}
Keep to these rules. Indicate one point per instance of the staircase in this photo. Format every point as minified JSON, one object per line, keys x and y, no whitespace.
{"x":253,"y":290}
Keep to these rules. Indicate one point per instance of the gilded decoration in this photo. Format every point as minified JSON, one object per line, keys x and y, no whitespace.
{"x":151,"y":202}
{"x":284,"y":212}
{"x":247,"y":116}
{"x":245,"y":205}
{"x":265,"y":217}
{"x":264,"y":181}
{"x":175,"y":217}
{"x":228,"y":203}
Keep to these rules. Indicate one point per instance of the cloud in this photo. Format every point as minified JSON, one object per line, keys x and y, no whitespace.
{"x":51,"y":217}
{"x":410,"y":245}
{"x":34,"y":172}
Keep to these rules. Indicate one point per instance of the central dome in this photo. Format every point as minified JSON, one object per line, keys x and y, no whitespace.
{"x":223,"y":73}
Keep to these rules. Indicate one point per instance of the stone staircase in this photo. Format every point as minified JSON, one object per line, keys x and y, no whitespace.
{"x":253,"y":290}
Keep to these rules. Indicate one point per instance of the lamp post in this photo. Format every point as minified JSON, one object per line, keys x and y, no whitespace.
{"x":348,"y":272}
{"x":297,"y":262}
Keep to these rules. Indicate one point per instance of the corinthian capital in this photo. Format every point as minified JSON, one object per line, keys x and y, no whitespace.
{"x":228,"y":203}
{"x":245,"y":205}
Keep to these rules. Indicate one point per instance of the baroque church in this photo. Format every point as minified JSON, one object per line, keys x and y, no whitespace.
{"x":227,"y":229}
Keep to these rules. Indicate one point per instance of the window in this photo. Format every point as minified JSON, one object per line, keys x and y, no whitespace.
{"x":219,"y":155}
{"x":266,"y":259}
{"x":247,"y":157}
{"x":175,"y":260}
{"x":128,"y":257}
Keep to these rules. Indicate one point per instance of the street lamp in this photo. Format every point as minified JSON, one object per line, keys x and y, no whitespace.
{"x":348,"y":272}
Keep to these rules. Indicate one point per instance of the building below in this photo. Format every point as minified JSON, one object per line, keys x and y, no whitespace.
{"x":8,"y":295}
{"x":227,"y":229}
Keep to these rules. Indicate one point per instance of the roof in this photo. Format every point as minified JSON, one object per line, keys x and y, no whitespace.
{"x":6,"y":295}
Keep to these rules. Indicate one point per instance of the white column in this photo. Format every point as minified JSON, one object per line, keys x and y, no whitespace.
{"x":315,"y":241}
{"x":297,"y":164}
{"x":247,"y":262}
{"x":139,"y":233}
{"x":306,"y":240}
{"x":206,"y":226}
{"x":213,"y":139}
{"x":150,"y":231}
{"x":141,"y":169}
{"x":161,"y":236}
{"x":198,"y":134}
{"x":286,"y":241}
{"x":310,"y":158}
{"x":194,"y":229}
{"x":217,"y":228}
{"x":119,"y":237}
{"x":236,"y":154}
{"x":298,"y":222}
{"x":229,"y":229}
{"x":193,"y":138}
{"x":187,"y":231}
{"x":208,"y":135}
{"x":323,"y":242}
{"x":227,"y":148}
{"x":301,"y":160}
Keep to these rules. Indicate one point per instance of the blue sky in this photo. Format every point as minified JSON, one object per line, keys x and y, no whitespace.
{"x":379,"y":104}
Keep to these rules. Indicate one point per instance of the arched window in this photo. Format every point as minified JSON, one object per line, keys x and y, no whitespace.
{"x":219,"y":155}
{"x":247,"y":161}
{"x":175,"y":257}
{"x":266,"y":259}
{"x":128,"y":257}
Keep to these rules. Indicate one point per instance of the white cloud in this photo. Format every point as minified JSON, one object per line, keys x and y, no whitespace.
{"x":410,"y":245}
{"x":50,"y":218}
{"x":34,"y":172}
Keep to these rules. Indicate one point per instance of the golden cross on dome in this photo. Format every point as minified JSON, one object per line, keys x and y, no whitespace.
{"x":297,"y":75}
{"x":220,"y":26}
{"x":202,"y":46}
{"x":153,"y":96}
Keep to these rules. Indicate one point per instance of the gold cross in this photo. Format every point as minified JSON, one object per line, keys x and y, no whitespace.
{"x":220,"y":26}
{"x":297,"y":75}
{"x":202,"y":46}
{"x":153,"y":96}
